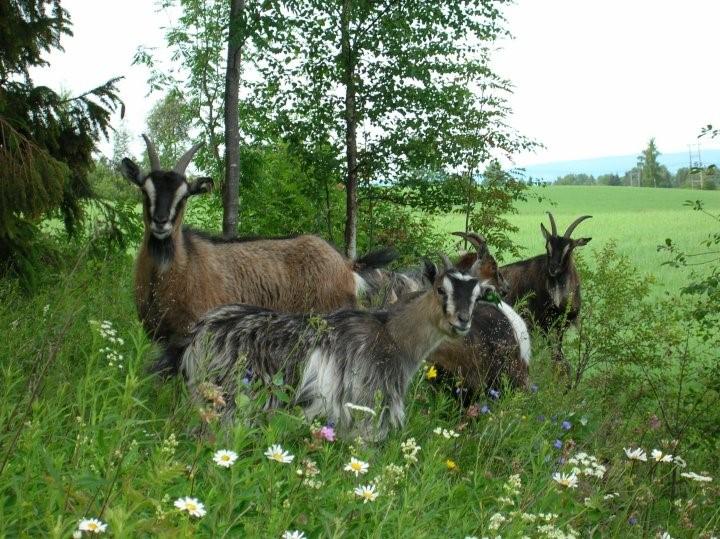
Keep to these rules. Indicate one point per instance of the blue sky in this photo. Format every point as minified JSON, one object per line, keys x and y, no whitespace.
{"x":592,"y":77}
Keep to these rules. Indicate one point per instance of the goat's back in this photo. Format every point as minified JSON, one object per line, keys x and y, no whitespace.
{"x":301,"y":274}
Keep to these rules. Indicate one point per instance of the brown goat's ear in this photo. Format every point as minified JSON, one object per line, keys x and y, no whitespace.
{"x":200,"y":186}
{"x":545,"y":232}
{"x":131,"y":172}
{"x":581,"y":241}
{"x":429,"y":271}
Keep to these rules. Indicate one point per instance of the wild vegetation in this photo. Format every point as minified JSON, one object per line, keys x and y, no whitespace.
{"x":626,"y":446}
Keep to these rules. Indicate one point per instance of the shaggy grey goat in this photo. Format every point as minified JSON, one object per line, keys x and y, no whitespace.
{"x":348,"y":356}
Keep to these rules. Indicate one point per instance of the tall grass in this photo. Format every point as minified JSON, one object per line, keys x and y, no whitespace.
{"x":85,"y":433}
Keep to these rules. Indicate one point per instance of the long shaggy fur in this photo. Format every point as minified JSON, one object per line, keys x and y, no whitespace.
{"x":348,"y":356}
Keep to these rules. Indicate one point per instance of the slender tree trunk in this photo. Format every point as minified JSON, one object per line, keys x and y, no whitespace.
{"x":232,"y":121}
{"x":328,"y":212}
{"x":350,"y":133}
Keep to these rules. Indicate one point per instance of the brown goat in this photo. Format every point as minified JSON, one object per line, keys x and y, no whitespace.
{"x":181,"y":274}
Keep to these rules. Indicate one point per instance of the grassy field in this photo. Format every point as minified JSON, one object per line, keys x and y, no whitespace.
{"x":638,"y":219}
{"x":85,"y":433}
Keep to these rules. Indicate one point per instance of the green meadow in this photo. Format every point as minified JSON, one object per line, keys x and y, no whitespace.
{"x":86,"y":433}
{"x":637,"y":218}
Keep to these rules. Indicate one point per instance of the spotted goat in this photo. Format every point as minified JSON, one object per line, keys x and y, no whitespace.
{"x":499,"y":343}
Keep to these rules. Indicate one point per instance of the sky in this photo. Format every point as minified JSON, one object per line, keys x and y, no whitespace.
{"x":592,"y":78}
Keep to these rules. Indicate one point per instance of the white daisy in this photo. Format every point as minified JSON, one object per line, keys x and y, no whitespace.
{"x":192,"y":505}
{"x":445,"y":433}
{"x":92,"y":525}
{"x":636,"y":454}
{"x":367,"y":493}
{"x":566,"y":480}
{"x":277,"y":453}
{"x":697,"y":477}
{"x":659,"y":456}
{"x":357,"y":467}
{"x":294,"y":534}
{"x":225,"y":458}
{"x":359,"y":408}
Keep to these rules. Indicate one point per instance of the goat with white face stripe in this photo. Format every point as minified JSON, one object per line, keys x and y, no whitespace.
{"x":181,"y":274}
{"x":164,"y":191}
{"x":350,"y":357}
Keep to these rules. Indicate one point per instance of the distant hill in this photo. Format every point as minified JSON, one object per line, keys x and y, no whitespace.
{"x":618,"y":164}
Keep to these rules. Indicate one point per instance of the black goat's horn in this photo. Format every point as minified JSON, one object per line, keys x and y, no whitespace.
{"x":552,"y":224}
{"x":152,"y":154}
{"x":184,"y":161}
{"x":575,"y":223}
{"x":475,"y":239}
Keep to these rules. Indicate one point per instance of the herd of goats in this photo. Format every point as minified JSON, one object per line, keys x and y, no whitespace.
{"x":224,"y":310}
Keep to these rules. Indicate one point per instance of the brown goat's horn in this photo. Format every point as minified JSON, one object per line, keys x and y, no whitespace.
{"x":575,"y":223}
{"x":475,"y":239}
{"x":552,"y":224}
{"x":184,"y":161}
{"x":446,"y":262}
{"x":152,"y":154}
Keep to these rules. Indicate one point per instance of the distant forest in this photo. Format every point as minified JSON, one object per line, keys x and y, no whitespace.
{"x":648,"y":172}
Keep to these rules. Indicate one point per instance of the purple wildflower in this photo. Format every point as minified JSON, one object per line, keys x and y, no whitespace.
{"x":541,"y":418}
{"x":494,"y":394}
{"x":534,"y":388}
{"x":566,"y":425}
{"x":327,"y":433}
{"x":632,"y":520}
{"x":485,"y":409}
{"x":557,"y":444}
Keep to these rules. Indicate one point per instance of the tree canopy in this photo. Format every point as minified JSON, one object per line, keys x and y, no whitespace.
{"x":46,"y":139}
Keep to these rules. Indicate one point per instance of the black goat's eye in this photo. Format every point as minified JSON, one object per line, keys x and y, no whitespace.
{"x":441,"y":291}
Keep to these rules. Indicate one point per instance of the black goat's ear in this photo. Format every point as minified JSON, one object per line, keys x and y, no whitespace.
{"x":581,"y":241}
{"x":429,"y":271}
{"x":200,"y":186}
{"x":545,"y":231}
{"x":130,"y":171}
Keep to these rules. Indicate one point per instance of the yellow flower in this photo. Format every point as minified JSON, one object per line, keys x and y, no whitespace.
{"x":451,"y":464}
{"x":431,"y":373}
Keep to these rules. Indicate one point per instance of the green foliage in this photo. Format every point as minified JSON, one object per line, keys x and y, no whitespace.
{"x":576,"y":179}
{"x":652,"y":173}
{"x":630,"y":346}
{"x":169,"y":123}
{"x":46,"y":139}
{"x":85,"y":433}
{"x":413,"y":234}
{"x":703,"y":288}
{"x":489,"y":205}
{"x":279,"y":196}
